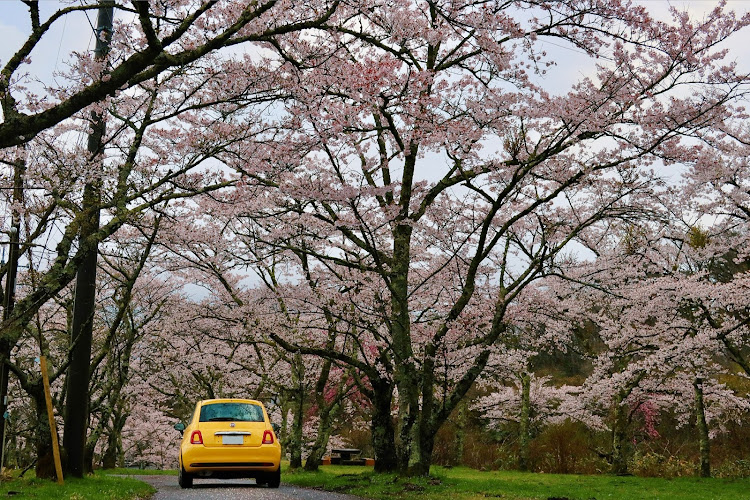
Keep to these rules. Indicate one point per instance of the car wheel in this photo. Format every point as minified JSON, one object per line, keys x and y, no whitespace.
{"x":274,"y":478}
{"x":185,"y":479}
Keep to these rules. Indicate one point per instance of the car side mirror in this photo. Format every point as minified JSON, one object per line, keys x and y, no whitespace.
{"x":180,"y":427}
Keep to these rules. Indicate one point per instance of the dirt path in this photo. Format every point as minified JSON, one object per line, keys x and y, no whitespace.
{"x":233,"y":489}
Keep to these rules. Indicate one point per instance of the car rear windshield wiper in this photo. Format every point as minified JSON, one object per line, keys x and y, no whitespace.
{"x":221,"y":419}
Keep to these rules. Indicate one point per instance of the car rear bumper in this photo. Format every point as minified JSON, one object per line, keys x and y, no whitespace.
{"x":201,"y":458}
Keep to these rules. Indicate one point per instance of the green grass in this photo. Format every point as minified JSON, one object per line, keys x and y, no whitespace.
{"x":94,"y":487}
{"x":463,"y":484}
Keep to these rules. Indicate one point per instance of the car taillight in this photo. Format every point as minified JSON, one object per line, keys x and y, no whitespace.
{"x":268,"y":437}
{"x":196,"y":438}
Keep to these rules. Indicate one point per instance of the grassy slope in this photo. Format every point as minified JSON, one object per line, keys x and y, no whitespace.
{"x":457,"y":484}
{"x":463,"y":483}
{"x":93,"y":487}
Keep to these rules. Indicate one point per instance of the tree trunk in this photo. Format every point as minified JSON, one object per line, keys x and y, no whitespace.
{"x":525,"y":433}
{"x":295,"y":441}
{"x":619,"y":429}
{"x":328,"y":410}
{"x":88,"y":458}
{"x":45,"y":463}
{"x":700,"y":417}
{"x":109,"y":459}
{"x":108,"y":414}
{"x":406,"y":375}
{"x":458,"y":451}
{"x":383,"y":431}
{"x":324,"y":433}
{"x":425,"y":445}
{"x":113,"y":453}
{"x":403,"y":443}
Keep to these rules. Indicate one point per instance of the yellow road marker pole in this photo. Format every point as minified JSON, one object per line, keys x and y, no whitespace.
{"x":51,"y":416}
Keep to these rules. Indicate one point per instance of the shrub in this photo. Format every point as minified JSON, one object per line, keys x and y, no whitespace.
{"x":656,"y":465}
{"x":733,"y":469}
{"x":563,"y":449}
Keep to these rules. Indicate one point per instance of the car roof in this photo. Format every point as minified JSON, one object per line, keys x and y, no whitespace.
{"x":229,"y":400}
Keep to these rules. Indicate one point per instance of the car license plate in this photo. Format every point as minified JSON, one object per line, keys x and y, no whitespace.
{"x":232,"y":439}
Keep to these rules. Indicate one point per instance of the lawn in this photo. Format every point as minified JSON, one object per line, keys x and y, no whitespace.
{"x":463,"y":483}
{"x":94,"y":487}
{"x":458,"y":483}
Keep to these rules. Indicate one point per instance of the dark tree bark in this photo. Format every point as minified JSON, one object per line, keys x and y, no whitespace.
{"x":295,"y":438}
{"x":77,"y":404}
{"x":329,"y":412}
{"x":524,"y":438}
{"x":619,"y":434}
{"x":45,"y":463}
{"x":383,"y":430}
{"x":9,"y":294}
{"x":700,"y":417}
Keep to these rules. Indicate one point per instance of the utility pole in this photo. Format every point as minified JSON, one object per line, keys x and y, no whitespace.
{"x":77,"y":403}
{"x":9,"y":298}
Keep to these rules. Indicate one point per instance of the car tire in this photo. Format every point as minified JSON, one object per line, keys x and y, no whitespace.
{"x":184,"y":478}
{"x":274,"y":478}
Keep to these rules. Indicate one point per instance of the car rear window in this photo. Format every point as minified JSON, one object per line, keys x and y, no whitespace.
{"x":231,"y":412}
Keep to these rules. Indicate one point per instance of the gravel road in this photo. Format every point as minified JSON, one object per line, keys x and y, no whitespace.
{"x":233,"y":489}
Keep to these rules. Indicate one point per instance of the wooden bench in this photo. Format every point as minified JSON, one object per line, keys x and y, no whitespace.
{"x":346,"y":456}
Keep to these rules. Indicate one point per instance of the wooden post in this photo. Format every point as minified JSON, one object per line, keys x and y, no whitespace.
{"x":51,"y":416}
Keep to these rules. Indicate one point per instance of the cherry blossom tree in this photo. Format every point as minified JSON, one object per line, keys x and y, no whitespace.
{"x":44,"y":336}
{"x":515,"y":393}
{"x":218,"y":258}
{"x":531,"y":402}
{"x":152,"y":74}
{"x":424,"y":151}
{"x":397,"y":177}
{"x":649,"y":302}
{"x":137,"y":298}
{"x":716,"y":191}
{"x":162,"y":37}
{"x":129,"y":300}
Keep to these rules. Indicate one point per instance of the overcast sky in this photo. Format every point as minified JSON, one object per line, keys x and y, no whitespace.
{"x":75,"y":33}
{"x":72,"y":33}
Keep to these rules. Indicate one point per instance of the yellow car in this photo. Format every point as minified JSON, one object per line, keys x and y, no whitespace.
{"x":229,"y":438}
